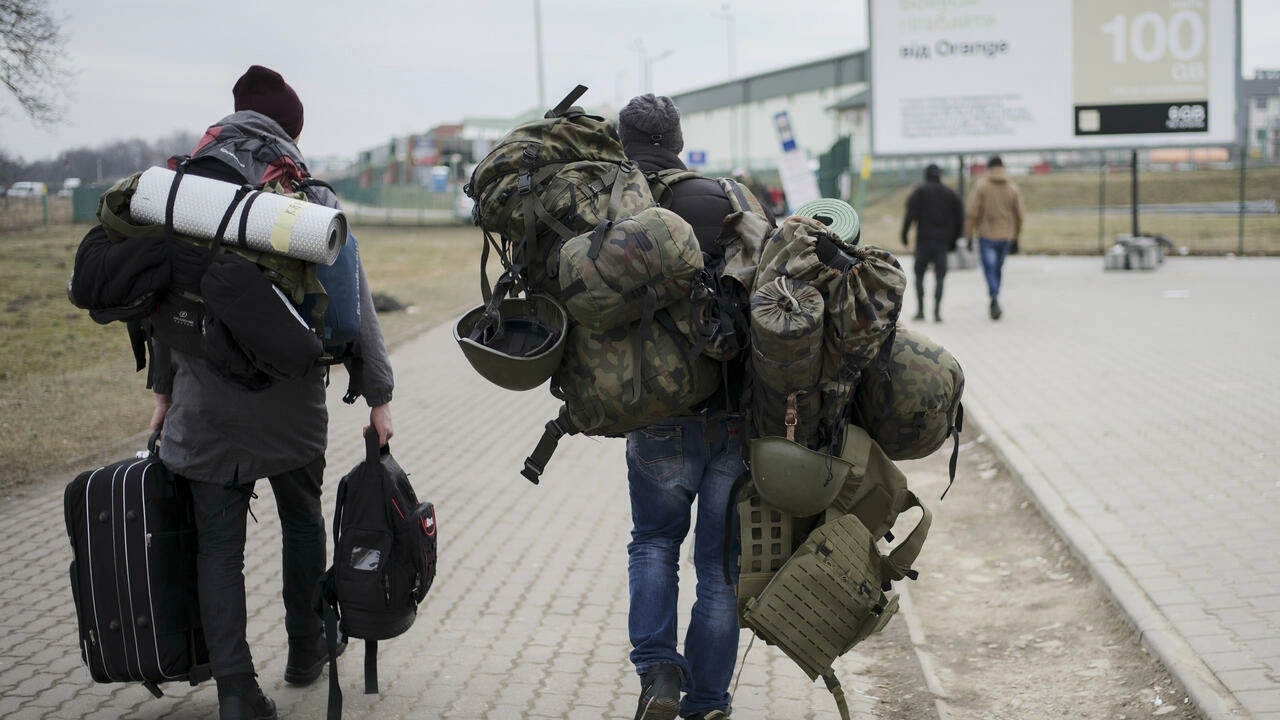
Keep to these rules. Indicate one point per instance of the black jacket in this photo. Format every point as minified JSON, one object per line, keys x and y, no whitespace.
{"x":700,"y":201}
{"x":938,"y":214}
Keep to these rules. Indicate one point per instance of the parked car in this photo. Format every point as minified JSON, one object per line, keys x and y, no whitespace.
{"x":69,"y":187}
{"x":27,"y":189}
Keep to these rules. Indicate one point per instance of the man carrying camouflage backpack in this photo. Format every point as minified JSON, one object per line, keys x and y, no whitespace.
{"x":696,"y":454}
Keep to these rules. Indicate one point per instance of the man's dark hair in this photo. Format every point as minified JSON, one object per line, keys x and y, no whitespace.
{"x":995,"y":161}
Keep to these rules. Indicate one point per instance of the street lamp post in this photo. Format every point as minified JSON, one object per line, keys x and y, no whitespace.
{"x":726,"y":14}
{"x":537,"y":40}
{"x":645,"y":78}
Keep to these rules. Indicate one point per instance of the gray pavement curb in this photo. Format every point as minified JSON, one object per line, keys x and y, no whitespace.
{"x":1154,"y":630}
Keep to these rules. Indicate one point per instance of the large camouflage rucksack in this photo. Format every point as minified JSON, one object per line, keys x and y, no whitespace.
{"x":820,"y":311}
{"x":572,"y":219}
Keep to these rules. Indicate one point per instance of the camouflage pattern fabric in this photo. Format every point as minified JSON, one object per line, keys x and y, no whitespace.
{"x":549,"y":180}
{"x":786,"y":350}
{"x":637,"y":265}
{"x":908,"y":402}
{"x":745,"y":232}
{"x":618,"y":380}
{"x":861,"y":308}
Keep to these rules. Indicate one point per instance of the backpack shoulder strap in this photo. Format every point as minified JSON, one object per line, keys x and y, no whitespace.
{"x":661,"y":182}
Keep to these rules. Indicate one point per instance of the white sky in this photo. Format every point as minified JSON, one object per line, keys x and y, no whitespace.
{"x":368,"y":70}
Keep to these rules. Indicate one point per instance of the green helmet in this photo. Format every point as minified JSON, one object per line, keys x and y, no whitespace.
{"x":795,"y":479}
{"x":520,"y":346}
{"x":909,"y":401}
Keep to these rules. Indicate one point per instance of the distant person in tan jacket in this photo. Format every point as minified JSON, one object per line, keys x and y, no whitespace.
{"x":995,"y":217}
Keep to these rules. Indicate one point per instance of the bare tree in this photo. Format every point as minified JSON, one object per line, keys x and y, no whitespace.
{"x":32,"y":58}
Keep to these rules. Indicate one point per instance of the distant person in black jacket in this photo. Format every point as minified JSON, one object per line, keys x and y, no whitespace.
{"x":938,"y":214}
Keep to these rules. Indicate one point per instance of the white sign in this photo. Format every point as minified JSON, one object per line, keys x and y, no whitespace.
{"x":953,"y":76}
{"x":798,"y":181}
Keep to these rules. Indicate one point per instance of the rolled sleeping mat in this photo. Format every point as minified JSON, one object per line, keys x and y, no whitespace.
{"x":274,"y":223}
{"x":835,"y":214}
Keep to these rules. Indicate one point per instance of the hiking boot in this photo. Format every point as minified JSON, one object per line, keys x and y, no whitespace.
{"x":240,"y":698}
{"x":659,"y":693}
{"x":307,"y":659}
{"x":995,"y":310}
{"x":708,"y":715}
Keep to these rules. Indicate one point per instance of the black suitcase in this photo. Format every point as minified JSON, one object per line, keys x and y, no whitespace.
{"x":133,"y":574}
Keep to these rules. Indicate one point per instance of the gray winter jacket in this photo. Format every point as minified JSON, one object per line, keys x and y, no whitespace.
{"x":217,"y":431}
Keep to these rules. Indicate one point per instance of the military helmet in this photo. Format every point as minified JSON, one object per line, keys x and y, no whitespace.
{"x":795,"y":479}
{"x":519,"y":346}
{"x":910,"y":404}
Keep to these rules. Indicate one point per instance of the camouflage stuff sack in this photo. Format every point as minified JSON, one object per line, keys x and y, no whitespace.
{"x":909,"y":399}
{"x":622,"y":379}
{"x":862,"y":289}
{"x":786,"y":339}
{"x":623,"y":273}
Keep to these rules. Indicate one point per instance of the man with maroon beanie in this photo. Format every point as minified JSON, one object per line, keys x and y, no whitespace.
{"x":223,"y":437}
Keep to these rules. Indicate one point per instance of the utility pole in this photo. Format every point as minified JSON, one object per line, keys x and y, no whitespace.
{"x":726,"y":14}
{"x":537,"y":40}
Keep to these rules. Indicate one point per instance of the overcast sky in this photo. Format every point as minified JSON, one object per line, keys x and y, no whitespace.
{"x":372,"y":69}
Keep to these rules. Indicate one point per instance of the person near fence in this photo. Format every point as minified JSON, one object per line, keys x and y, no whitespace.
{"x":995,"y":216}
{"x":938,"y":214}
{"x":223,"y":437}
{"x":694,"y":456}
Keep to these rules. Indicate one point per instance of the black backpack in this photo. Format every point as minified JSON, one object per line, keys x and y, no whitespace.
{"x":384,"y":561}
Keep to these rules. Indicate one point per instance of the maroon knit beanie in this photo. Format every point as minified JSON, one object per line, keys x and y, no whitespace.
{"x":265,"y":91}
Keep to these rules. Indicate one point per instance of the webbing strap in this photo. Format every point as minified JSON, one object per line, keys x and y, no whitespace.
{"x":555,"y":429}
{"x":370,"y":667}
{"x":241,"y":237}
{"x":329,"y":602}
{"x":837,"y":692}
{"x":730,"y":527}
{"x":897,"y":564}
{"x":956,"y":428}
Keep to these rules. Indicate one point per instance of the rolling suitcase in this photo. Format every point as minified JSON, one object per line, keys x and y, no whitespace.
{"x":133,"y":574}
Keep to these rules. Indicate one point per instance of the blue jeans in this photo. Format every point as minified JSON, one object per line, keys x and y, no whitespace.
{"x":993,"y":254}
{"x":669,"y":465}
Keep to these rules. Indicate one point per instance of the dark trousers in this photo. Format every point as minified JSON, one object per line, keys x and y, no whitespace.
{"x":221,"y":514}
{"x":935,"y":255}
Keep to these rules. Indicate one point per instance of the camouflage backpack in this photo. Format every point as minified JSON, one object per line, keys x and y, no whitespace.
{"x":574,"y":219}
{"x":909,"y":398}
{"x":802,"y":383}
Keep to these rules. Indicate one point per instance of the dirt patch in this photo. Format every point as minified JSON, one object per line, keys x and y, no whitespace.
{"x":1009,"y":622}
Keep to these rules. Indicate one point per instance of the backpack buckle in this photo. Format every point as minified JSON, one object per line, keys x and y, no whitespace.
{"x":524,"y":184}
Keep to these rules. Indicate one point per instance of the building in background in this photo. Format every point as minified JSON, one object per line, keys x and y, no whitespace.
{"x":1261,"y":96}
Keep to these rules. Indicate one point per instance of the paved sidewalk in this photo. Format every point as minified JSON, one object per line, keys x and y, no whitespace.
{"x":527,"y":617}
{"x":1138,"y":407}
{"x":1141,"y":410}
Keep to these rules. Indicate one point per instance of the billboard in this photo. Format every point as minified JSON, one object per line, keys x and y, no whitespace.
{"x":958,"y":76}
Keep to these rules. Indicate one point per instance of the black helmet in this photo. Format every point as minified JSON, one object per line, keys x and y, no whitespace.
{"x":519,"y":345}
